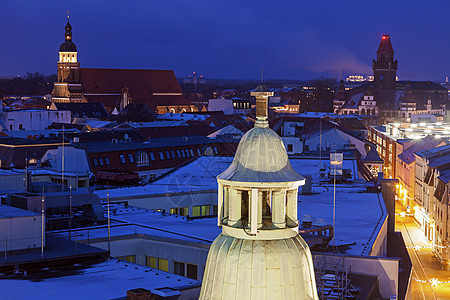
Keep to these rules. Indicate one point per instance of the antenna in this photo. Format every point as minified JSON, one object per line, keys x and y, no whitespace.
{"x":262,"y":75}
{"x":109,"y":220}
{"x":68,"y":15}
{"x":42,"y":223}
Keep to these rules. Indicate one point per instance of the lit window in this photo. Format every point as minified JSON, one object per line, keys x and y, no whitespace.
{"x":128,"y":258}
{"x":163,"y":264}
{"x":130,"y":158}
{"x":142,"y":159}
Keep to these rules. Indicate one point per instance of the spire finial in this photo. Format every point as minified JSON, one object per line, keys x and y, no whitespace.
{"x":262,"y":75}
{"x":68,"y":15}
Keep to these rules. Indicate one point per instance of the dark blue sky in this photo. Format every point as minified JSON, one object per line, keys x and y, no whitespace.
{"x":229,"y":38}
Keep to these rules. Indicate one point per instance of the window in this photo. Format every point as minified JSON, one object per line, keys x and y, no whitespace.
{"x":151,"y":176}
{"x":107,"y":161}
{"x":130,"y":158}
{"x":161,"y":155}
{"x":178,"y":153}
{"x":185,"y":269}
{"x":290,"y":148}
{"x":163,"y":264}
{"x":178,"y":268}
{"x":142,"y":159}
{"x":182,"y":153}
{"x":100,"y":160}
{"x":152,"y":156}
{"x":191,"y":271}
{"x":172,"y":153}
{"x":167,"y":154}
{"x":122,"y":158}
{"x":20,"y":126}
{"x":129,"y":258}
{"x":192,"y":152}
{"x":95,"y":162}
{"x":151,"y":262}
{"x":202,"y":210}
{"x":157,"y":263}
{"x":198,"y":151}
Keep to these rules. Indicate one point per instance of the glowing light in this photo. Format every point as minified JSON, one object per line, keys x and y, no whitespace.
{"x":384,"y":37}
{"x":413,"y":125}
{"x":409,"y":129}
{"x":439,"y":123}
{"x":402,"y":214}
{"x":422,"y":124}
{"x":438,"y":136}
{"x":417,"y":247}
{"x":434,"y":281}
{"x":427,"y":131}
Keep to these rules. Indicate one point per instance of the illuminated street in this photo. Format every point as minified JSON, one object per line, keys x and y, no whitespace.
{"x":428,"y":280}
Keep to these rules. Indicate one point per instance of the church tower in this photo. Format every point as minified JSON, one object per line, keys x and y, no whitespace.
{"x":259,"y":254}
{"x":385,"y":67}
{"x":68,"y":87}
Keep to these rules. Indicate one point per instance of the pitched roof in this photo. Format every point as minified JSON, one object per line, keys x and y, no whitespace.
{"x":84,"y":110}
{"x":426,"y":143}
{"x":372,"y":156}
{"x":106,"y":85}
{"x":385,"y":45}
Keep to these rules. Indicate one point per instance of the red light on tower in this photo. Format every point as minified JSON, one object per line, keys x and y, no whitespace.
{"x":384,"y":37}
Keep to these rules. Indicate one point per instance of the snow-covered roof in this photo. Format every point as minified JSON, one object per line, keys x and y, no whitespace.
{"x":7,"y":212}
{"x":200,"y":175}
{"x":357,"y":214}
{"x":105,"y":280}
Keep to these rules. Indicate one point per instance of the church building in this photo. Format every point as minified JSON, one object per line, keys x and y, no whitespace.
{"x":115,"y":88}
{"x":386,"y":97}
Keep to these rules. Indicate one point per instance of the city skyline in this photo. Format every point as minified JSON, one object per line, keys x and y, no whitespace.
{"x":229,"y":39}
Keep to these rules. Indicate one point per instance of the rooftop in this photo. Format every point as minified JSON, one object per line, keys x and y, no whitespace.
{"x":105,"y":280}
{"x":7,"y":212}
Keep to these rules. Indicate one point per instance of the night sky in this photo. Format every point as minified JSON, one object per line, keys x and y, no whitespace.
{"x":229,"y":38}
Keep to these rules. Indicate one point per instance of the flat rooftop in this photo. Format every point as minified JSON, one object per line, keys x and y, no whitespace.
{"x":104,"y":280}
{"x":7,"y":212}
{"x":359,"y":217}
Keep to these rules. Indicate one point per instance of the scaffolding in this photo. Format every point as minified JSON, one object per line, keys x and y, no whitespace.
{"x":333,"y":281}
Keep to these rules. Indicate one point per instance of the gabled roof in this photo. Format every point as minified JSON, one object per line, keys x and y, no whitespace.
{"x":144,"y":86}
{"x":139,"y":81}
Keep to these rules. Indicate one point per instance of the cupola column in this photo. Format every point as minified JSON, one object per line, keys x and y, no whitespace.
{"x":291,"y":208}
{"x":260,"y":206}
{"x":220,"y":204}
{"x":226,"y":204}
{"x":235,"y":207}
{"x":279,"y":209}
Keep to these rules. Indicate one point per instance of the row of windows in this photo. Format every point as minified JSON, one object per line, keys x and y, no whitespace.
{"x":144,"y":158}
{"x":179,"y":268}
{"x":101,"y":161}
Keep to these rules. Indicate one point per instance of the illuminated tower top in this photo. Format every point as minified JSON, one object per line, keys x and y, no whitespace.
{"x":385,"y":67}
{"x":259,"y":254}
